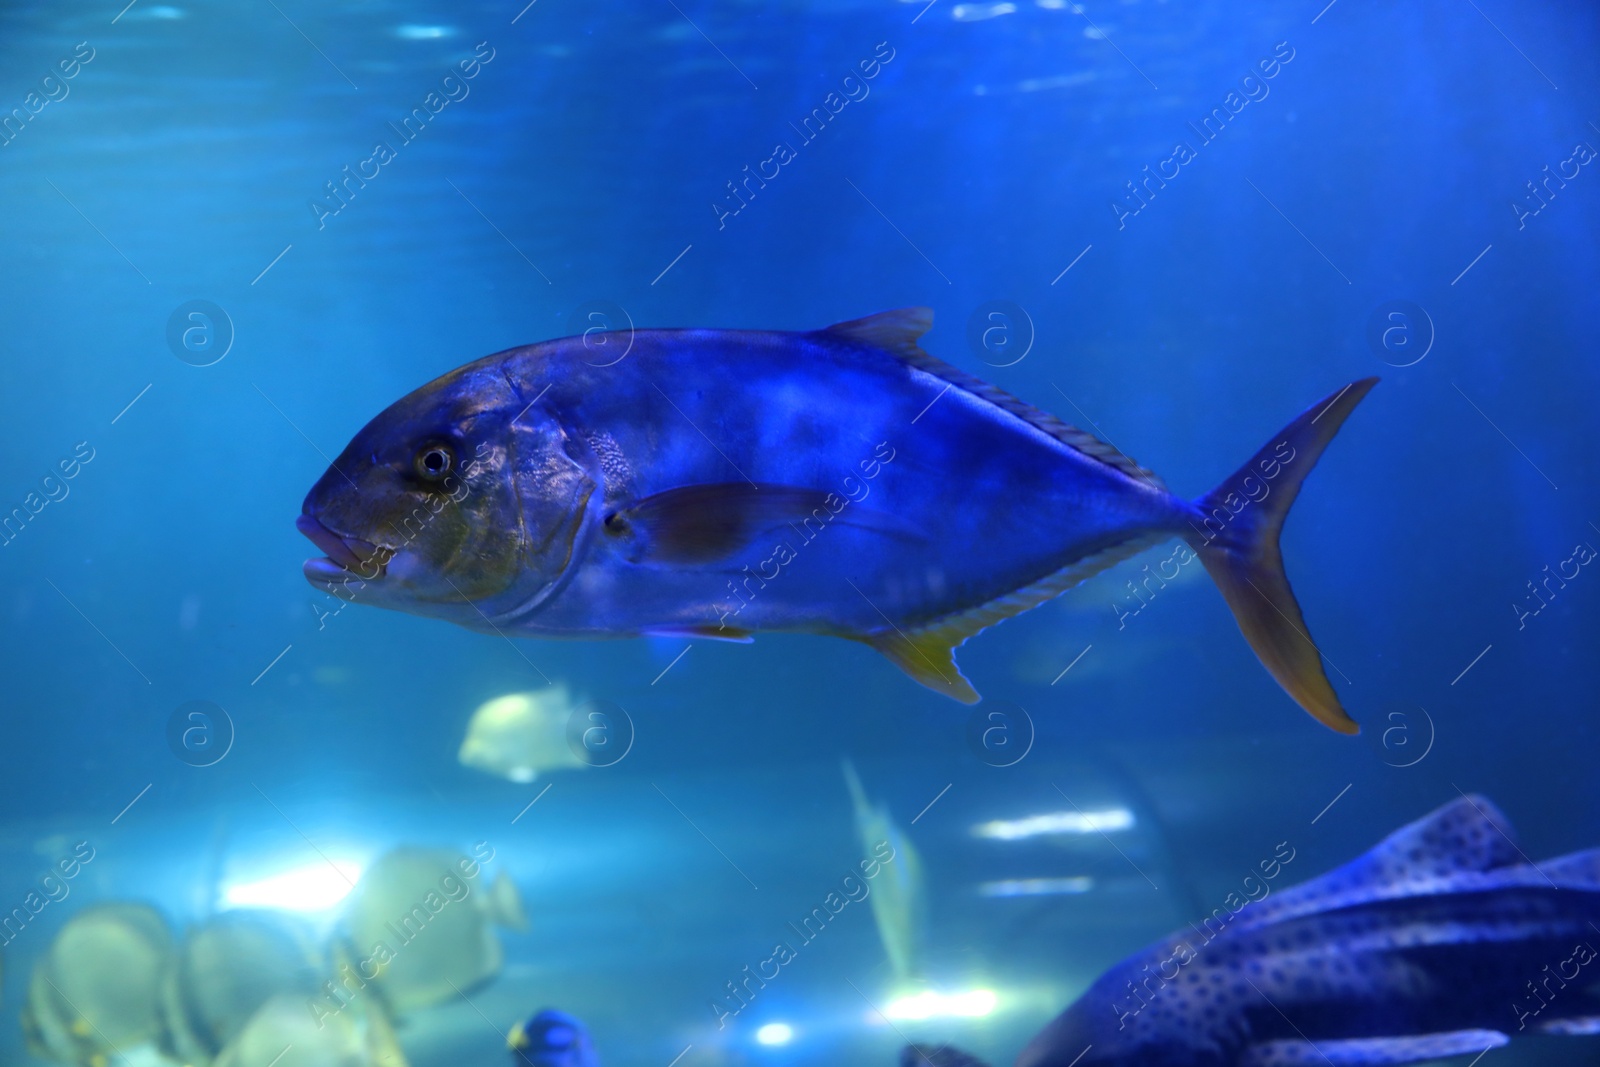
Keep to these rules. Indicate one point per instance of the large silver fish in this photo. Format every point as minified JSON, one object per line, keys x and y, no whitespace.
{"x":1443,"y":940}
{"x":720,"y":483}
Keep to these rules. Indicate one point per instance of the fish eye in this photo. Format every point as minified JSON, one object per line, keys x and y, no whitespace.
{"x":434,"y":460}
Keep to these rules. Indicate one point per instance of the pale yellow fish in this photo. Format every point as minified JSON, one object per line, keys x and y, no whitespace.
{"x":898,"y":894}
{"x":227,"y":968}
{"x":283,"y":1033}
{"x":96,"y":988}
{"x":420,"y":926}
{"x":45,"y":1033}
{"x":521,"y":735}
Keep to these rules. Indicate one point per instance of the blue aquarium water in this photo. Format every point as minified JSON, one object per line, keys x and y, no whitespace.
{"x":235,"y":233}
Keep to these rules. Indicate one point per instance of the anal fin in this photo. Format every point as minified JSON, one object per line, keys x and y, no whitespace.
{"x":1372,"y":1051}
{"x":927,"y":653}
{"x":1572,"y":1027}
{"x":929,"y":658}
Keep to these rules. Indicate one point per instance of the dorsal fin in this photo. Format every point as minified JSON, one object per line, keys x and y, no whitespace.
{"x":1468,"y":834}
{"x":896,"y":332}
{"x":1578,"y":870}
{"x":893,"y":331}
{"x":1465,"y":838}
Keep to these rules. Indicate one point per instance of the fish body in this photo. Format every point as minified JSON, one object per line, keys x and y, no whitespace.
{"x":96,"y":989}
{"x":225,"y":970}
{"x":361,"y":1037}
{"x":521,"y":735}
{"x":721,"y":483}
{"x":899,"y":895}
{"x":552,"y":1038}
{"x":420,"y":926}
{"x":1442,"y":940}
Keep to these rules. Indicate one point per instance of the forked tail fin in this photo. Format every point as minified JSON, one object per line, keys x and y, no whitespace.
{"x":1237,"y":540}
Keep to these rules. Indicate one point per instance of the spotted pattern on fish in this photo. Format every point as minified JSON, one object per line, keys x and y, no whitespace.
{"x":1420,"y":948}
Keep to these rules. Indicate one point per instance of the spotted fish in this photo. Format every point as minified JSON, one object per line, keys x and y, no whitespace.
{"x":721,"y":483}
{"x":1443,"y":940}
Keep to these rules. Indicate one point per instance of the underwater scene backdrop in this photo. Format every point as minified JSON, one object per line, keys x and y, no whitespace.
{"x":234,"y":233}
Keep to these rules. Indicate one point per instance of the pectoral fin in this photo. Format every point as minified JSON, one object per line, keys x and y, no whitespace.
{"x":706,"y":632}
{"x":1372,"y":1051}
{"x":710,"y":522}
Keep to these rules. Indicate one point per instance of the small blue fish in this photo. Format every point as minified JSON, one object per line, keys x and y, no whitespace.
{"x":1443,"y":940}
{"x":721,"y":483}
{"x":552,"y":1038}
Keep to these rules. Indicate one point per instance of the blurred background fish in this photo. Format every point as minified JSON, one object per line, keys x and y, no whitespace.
{"x":283,"y":1033}
{"x":422,"y":922}
{"x":1443,"y":940}
{"x":521,"y":735}
{"x":95,"y":990}
{"x":227,"y":968}
{"x":898,"y":895}
{"x":552,"y":1038}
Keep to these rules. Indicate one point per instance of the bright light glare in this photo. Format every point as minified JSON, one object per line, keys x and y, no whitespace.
{"x":929,"y":1004}
{"x":1036,"y":887}
{"x":1057,"y":822}
{"x":775,"y":1034}
{"x":411,"y":32}
{"x":314,"y":887}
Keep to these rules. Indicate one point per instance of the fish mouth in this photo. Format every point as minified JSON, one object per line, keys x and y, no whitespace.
{"x":345,"y":554}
